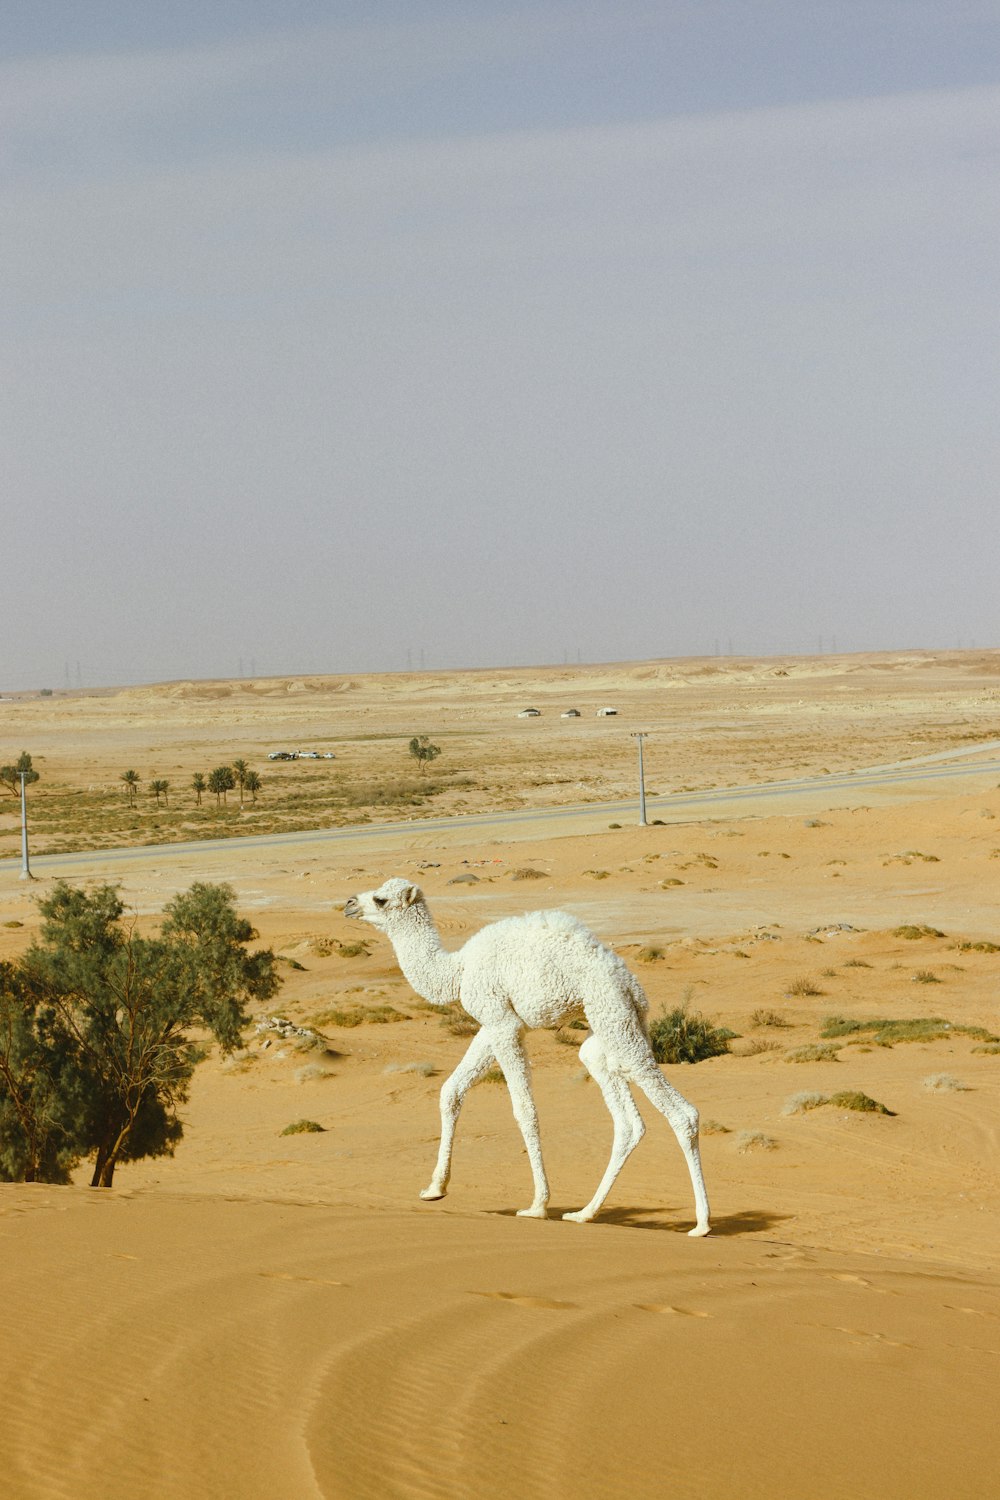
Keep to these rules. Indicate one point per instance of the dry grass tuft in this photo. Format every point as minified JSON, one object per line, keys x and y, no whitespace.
{"x":769,"y":1018}
{"x":754,"y":1140}
{"x":814,"y":1052}
{"x":797,"y":1104}
{"x":803,"y":987}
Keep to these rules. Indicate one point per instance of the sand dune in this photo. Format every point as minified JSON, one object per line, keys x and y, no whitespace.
{"x":280,"y":1316}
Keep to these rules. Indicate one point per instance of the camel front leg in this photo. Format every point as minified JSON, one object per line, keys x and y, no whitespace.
{"x":510,"y":1055}
{"x":474,"y":1064}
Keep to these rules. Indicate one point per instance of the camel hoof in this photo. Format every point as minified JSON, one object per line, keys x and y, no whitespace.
{"x":699,"y":1231}
{"x":431,"y":1194}
{"x":533,"y":1213}
{"x":580,"y":1217}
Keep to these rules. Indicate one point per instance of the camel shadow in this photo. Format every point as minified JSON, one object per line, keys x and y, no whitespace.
{"x":748,"y":1221}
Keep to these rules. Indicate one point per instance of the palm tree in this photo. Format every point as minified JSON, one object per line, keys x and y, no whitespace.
{"x":241,"y":771}
{"x":131,"y":780}
{"x":158,"y":789}
{"x":221,"y":781}
{"x":198,"y":786}
{"x":253,"y":784}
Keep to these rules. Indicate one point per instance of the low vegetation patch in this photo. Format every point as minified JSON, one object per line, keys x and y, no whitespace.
{"x":959,"y":947}
{"x":358,"y":1015}
{"x":814,"y":1052}
{"x":944,"y":1083}
{"x":885,"y":1033}
{"x":683,"y":1035}
{"x":925,"y":976}
{"x":856,"y":1100}
{"x":912,"y":932}
{"x":304,"y":1127}
{"x":528,"y":874}
{"x":649,"y":955}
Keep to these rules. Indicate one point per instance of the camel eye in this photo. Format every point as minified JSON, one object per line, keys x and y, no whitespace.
{"x":381,"y":900}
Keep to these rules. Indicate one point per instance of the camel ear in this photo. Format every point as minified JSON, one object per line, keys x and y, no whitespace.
{"x":412,"y":893}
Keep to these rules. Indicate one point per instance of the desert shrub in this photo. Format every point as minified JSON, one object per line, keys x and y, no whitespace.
{"x":423,"y":1069}
{"x":359,"y":949}
{"x":665,"y":885}
{"x":569,"y":1036}
{"x":797,"y":1104}
{"x":598,"y":874}
{"x":755,"y":1140}
{"x":913,"y":931}
{"x":528,"y":874}
{"x":649,"y":955}
{"x":303,"y":1127}
{"x":863,"y":1103}
{"x":959,"y":947}
{"x":312,"y":1073}
{"x":456,"y":1021}
{"x":713,"y":1127}
{"x":803,"y":987}
{"x":815,"y":1052}
{"x":757,"y":1045}
{"x":925,"y":976}
{"x":944,"y":1083}
{"x":990,"y":1048}
{"x":768,"y":1018}
{"x":682,"y":1035}
{"x":856,"y":963}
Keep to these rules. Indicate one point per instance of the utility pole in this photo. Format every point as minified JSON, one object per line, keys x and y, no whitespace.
{"x":642,"y":782}
{"x":25,"y":866}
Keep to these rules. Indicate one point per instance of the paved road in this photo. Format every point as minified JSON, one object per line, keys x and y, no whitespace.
{"x":805,"y":794}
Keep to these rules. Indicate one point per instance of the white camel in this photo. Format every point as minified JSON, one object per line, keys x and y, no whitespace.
{"x":524,"y":972}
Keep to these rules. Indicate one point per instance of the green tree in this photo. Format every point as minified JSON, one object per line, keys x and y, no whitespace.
{"x":198,"y":786}
{"x":160,"y":789}
{"x":131,"y":780}
{"x":115,"y":1009}
{"x":423,"y":751}
{"x":221,"y":781}
{"x":253,"y":785}
{"x":10,"y":776}
{"x":35,"y":1145}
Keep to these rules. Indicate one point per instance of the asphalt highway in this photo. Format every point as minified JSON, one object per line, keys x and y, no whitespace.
{"x":806,"y":794}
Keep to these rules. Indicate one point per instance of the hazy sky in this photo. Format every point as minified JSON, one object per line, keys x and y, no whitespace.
{"x":347,"y":336}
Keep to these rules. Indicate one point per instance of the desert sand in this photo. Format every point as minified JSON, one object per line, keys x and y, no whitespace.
{"x":281,"y":1316}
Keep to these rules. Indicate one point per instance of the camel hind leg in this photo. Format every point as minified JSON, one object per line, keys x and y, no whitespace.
{"x":682,"y":1117}
{"x":629,"y":1128}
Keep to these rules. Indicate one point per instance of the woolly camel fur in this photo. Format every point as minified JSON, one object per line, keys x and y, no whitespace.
{"x":525,"y":972}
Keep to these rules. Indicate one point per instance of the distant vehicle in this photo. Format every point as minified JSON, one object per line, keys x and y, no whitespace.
{"x":571,"y":713}
{"x":283,"y":755}
{"x":308,"y":755}
{"x":329,"y":755}
{"x":607,"y":713}
{"x":530,"y":713}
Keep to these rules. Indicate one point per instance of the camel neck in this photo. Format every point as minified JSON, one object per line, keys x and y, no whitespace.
{"x":427,"y":966}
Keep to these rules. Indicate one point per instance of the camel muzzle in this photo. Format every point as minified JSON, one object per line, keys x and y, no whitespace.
{"x":351,"y":907}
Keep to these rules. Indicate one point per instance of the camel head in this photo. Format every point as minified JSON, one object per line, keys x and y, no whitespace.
{"x":380,"y":907}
